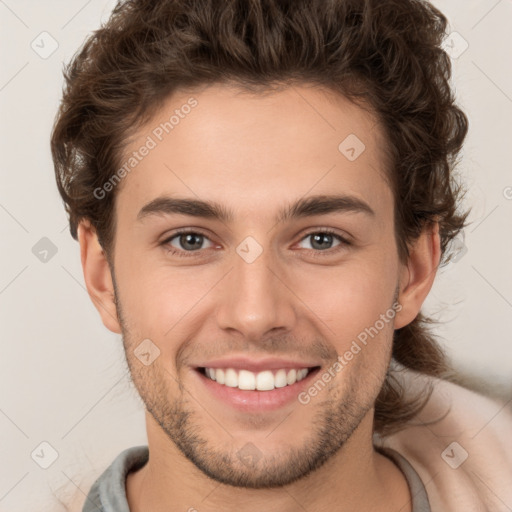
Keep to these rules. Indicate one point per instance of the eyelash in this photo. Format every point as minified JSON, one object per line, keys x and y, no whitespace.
{"x":316,"y":253}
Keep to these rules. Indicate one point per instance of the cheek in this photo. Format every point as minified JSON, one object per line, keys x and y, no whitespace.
{"x":157,"y":301}
{"x":351,"y":297}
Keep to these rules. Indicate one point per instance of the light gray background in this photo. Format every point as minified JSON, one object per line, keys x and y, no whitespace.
{"x":62,"y":374}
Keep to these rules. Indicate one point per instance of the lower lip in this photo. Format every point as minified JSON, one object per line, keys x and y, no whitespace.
{"x":256,"y":401}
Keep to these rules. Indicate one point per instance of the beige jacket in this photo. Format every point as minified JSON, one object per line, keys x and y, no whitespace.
{"x":465,"y":459}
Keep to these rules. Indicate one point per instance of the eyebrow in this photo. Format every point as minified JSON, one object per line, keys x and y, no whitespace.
{"x":304,"y":207}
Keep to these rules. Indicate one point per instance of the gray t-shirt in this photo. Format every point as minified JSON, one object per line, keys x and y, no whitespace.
{"x":108,"y":493}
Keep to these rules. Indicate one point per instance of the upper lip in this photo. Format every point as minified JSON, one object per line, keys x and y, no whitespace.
{"x":256,"y":365}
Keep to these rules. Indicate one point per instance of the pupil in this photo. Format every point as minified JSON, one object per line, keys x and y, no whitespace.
{"x":319,"y":238}
{"x":191,"y":241}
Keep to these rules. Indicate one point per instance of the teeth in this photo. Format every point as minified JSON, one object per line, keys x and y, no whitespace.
{"x":231,"y":378}
{"x":291,"y":377}
{"x":246,"y":380}
{"x":280,"y":379}
{"x":262,"y":381}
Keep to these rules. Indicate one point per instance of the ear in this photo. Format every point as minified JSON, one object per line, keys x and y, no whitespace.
{"x":418,"y":275}
{"x":98,"y":278}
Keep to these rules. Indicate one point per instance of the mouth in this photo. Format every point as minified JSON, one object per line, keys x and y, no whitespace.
{"x":266,"y":380}
{"x":258,"y":391}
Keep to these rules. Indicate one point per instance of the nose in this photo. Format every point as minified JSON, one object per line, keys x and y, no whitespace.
{"x":255,"y":298}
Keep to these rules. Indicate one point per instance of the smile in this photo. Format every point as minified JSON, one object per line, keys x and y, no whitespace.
{"x":266,"y":380}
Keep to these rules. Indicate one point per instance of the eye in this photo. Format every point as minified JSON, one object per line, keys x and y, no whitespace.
{"x":322,"y":241}
{"x":186,"y":241}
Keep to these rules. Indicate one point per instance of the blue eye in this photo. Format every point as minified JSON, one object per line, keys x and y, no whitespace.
{"x":186,"y":243}
{"x":322,"y":240}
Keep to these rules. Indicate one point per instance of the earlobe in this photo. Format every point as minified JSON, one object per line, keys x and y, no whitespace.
{"x":98,"y":278}
{"x":418,"y":276}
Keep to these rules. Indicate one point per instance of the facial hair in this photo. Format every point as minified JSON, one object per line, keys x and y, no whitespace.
{"x":336,"y":416}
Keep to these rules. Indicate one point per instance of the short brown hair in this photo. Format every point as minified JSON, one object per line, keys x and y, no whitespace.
{"x":383,"y":53}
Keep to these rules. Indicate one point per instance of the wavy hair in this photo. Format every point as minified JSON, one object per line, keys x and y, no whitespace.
{"x":383,"y":54}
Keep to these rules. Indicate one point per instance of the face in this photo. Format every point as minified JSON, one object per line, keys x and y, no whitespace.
{"x":253,"y":250}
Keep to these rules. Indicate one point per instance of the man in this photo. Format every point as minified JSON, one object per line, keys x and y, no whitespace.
{"x":262,"y":191}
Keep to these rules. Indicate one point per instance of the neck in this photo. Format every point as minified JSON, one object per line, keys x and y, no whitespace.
{"x":356,"y":478}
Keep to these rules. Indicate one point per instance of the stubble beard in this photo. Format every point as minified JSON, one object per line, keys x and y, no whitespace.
{"x":334,"y":421}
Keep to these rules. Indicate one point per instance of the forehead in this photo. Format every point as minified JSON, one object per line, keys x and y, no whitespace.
{"x":254,"y":150}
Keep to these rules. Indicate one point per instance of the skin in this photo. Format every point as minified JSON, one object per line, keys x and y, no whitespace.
{"x":254,"y":154}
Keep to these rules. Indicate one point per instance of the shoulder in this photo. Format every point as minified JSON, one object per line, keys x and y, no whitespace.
{"x":460,"y":445}
{"x":107,"y":490}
